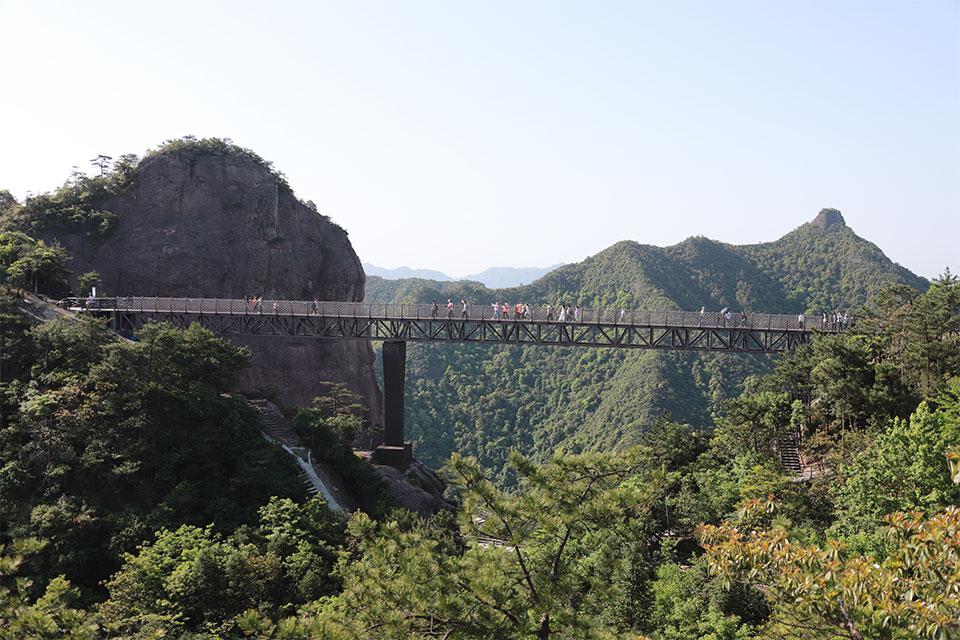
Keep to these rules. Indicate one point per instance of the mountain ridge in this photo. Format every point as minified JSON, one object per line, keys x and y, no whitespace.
{"x":491,"y":277}
{"x":485,"y":400}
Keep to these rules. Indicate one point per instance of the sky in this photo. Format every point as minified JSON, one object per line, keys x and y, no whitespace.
{"x":459,"y":135}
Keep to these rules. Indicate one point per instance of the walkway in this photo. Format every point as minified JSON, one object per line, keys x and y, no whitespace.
{"x":396,"y":324}
{"x":617,"y":328}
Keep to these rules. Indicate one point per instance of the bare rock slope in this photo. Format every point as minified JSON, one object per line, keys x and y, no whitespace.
{"x":200,"y":222}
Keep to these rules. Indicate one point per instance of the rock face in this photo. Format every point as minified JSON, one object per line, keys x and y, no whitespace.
{"x":197,"y":223}
{"x":828,"y":218}
{"x":415,"y":487}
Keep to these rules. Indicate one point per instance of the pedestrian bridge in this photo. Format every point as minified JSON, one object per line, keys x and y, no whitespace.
{"x":616,"y":328}
{"x":396,"y":324}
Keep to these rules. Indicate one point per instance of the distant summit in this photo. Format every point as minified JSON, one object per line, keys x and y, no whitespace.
{"x":493,"y":278}
{"x":828,"y":218}
{"x":502,"y":277}
{"x":405,"y":272}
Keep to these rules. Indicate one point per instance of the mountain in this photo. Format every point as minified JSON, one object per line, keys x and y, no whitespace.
{"x":502,"y":277}
{"x":494,"y":277}
{"x":404,"y":272}
{"x":484,"y":400}
{"x":206,"y":218}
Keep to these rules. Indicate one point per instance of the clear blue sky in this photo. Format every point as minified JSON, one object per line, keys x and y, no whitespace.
{"x":456,"y":135}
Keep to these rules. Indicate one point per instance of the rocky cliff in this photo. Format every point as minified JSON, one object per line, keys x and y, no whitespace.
{"x":215,"y":220}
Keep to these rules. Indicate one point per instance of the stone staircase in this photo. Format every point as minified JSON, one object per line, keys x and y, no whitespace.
{"x":789,"y":452}
{"x":275,"y":426}
{"x":277,"y":430}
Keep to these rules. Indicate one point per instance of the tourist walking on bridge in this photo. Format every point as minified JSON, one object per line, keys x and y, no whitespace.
{"x":505,"y":311}
{"x":549,"y":313}
{"x":800,"y":319}
{"x":434,"y":310}
{"x":526,"y":311}
{"x":463,"y":309}
{"x":702,"y":310}
{"x":449,"y":308}
{"x":578,"y":313}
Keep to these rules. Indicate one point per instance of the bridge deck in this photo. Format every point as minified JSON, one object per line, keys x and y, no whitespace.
{"x":618,"y":328}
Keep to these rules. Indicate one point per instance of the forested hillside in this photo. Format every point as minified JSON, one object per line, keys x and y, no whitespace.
{"x":483,"y":401}
{"x":138,"y":501}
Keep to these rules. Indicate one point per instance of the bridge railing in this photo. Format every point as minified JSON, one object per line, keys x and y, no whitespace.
{"x":666,"y":318}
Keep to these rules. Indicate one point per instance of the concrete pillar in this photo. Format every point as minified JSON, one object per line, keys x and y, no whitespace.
{"x":394,"y":451}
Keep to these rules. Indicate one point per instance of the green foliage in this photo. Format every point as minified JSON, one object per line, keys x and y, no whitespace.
{"x":329,"y":428}
{"x":160,"y":500}
{"x":485,"y":400}
{"x":689,"y":605}
{"x":33,"y":264}
{"x":904,"y":470}
{"x":829,"y":269}
{"x":919,"y":334}
{"x":7,"y":201}
{"x":74,"y":206}
{"x":195,"y":579}
{"x":217,"y":147}
{"x":48,"y":617}
{"x":109,"y":441}
{"x":537,"y":564}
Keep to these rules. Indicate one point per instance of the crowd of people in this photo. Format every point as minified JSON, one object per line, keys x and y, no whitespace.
{"x":836,"y":321}
{"x":255,"y":305}
{"x":560,"y":312}
{"x":520,"y":311}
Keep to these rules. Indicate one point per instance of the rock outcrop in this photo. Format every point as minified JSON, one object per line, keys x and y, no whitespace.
{"x":416,"y":487}
{"x":828,"y":218}
{"x":218,"y":223}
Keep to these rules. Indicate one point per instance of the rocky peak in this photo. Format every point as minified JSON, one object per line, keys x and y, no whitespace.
{"x":205,"y":218}
{"x":828,"y":218}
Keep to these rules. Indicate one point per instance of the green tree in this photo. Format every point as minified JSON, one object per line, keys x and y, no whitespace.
{"x":194,"y":579}
{"x":25,"y":262}
{"x":48,"y":617}
{"x":110,"y":441}
{"x":904,"y":470}
{"x":536,"y":564}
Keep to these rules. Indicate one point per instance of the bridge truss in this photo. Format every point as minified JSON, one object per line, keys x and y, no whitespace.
{"x":676,"y":330}
{"x":397,"y":324}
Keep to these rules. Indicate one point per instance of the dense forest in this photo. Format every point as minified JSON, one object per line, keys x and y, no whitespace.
{"x":137,"y":499}
{"x":484,"y":400}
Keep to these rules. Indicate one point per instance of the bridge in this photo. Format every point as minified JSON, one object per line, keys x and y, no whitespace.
{"x":395,"y":324}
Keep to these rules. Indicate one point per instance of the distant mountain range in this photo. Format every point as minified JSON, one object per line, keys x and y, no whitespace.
{"x":484,"y":400}
{"x":493,"y":278}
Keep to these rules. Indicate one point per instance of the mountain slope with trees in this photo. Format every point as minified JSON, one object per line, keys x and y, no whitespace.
{"x":484,"y":400}
{"x":138,"y":501}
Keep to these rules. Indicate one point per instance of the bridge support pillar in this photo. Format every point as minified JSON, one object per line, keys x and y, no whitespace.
{"x":394,"y":451}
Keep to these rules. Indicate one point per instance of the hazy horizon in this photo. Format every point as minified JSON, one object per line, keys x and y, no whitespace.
{"x":457,"y":137}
